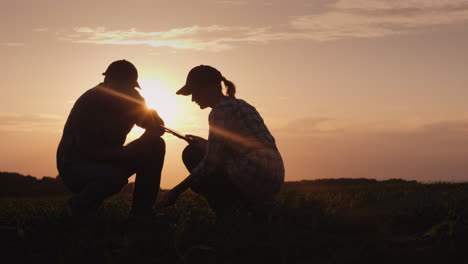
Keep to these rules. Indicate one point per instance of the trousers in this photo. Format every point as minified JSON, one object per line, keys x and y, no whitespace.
{"x":92,"y":182}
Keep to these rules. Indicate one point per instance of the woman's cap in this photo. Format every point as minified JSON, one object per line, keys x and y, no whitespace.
{"x":122,"y":70}
{"x":199,"y":77}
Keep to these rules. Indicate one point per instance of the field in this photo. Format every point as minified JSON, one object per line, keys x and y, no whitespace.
{"x":322,"y":221}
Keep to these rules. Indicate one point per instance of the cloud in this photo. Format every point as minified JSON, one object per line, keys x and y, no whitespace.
{"x":377,"y":18}
{"x":340,"y":19}
{"x":310,"y":126}
{"x":232,"y":3}
{"x":41,"y":29}
{"x":14,"y":44}
{"x":213,"y":38}
{"x":452,"y":126}
{"x":14,"y":122}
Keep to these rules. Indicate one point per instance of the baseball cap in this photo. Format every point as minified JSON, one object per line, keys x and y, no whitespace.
{"x":122,"y":70}
{"x":198,"y":77}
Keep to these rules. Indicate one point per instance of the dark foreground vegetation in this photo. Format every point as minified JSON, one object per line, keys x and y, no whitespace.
{"x":321,"y":221}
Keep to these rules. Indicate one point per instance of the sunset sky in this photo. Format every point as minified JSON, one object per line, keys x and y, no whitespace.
{"x":362,"y":88}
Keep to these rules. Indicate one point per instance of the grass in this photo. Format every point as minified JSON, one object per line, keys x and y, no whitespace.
{"x":311,"y":222}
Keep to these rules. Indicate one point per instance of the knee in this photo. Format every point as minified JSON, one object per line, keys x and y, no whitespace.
{"x":187,"y":153}
{"x":159,"y":144}
{"x":112,"y":185}
{"x":191,"y":156}
{"x":154,"y":148}
{"x":158,"y":147}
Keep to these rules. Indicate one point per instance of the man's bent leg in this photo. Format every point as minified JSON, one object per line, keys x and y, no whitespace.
{"x":102,"y":181}
{"x":147,"y":153}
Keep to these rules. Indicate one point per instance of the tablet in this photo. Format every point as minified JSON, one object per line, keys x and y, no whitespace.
{"x":177,"y":134}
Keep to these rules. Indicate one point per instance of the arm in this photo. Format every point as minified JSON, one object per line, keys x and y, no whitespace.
{"x":87,"y":139}
{"x":150,"y":120}
{"x":215,"y":146}
{"x":210,"y":161}
{"x":88,"y":147}
{"x":172,"y":195}
{"x":103,"y":154}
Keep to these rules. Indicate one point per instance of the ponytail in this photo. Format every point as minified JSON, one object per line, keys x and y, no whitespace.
{"x":230,"y":86}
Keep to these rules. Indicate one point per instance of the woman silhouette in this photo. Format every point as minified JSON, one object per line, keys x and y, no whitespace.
{"x":239,"y":164}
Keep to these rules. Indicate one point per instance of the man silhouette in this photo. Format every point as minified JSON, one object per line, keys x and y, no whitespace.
{"x":91,"y":157}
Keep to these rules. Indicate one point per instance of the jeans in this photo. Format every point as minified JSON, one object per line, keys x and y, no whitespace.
{"x":92,"y":182}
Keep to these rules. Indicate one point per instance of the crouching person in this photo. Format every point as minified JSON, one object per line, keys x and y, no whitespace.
{"x":91,"y":157}
{"x":239,"y":165}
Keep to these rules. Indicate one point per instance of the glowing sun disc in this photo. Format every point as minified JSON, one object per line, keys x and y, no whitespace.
{"x":160,"y":98}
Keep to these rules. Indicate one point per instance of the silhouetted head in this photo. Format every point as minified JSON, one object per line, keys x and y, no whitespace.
{"x":122,"y":72}
{"x":204,"y":84}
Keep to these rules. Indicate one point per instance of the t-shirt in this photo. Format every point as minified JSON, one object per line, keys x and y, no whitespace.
{"x":100,"y":119}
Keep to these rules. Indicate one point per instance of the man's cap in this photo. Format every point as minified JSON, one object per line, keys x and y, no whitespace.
{"x":199,"y":77}
{"x":122,"y":70}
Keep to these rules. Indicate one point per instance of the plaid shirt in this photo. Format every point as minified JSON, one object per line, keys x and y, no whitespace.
{"x":240,"y":145}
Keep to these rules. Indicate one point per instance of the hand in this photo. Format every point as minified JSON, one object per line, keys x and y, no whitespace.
{"x":197,"y":141}
{"x":154,"y":122}
{"x":156,"y":118}
{"x":169,"y":198}
{"x":195,"y":138}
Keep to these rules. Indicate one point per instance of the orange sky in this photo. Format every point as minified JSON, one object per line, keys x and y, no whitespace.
{"x":367,"y":88}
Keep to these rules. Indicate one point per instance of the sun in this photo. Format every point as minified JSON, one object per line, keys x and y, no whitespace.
{"x":162,"y":99}
{"x":176,"y":111}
